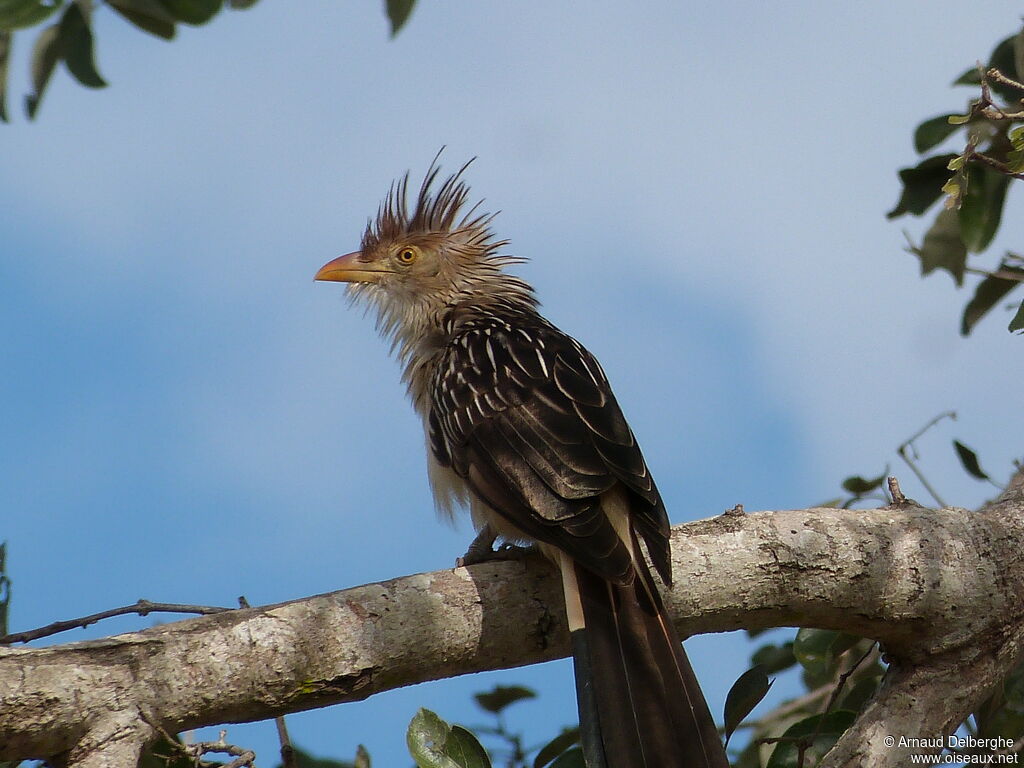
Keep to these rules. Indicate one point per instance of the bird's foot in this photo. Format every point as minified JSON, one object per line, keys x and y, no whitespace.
{"x":482,"y":550}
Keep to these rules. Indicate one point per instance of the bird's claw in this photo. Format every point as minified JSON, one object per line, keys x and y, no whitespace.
{"x":482,"y":550}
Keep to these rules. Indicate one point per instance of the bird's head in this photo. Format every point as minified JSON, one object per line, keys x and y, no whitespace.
{"x":413,"y":266}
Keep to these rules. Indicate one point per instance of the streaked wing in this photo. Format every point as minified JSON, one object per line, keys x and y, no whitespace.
{"x":525,"y":414}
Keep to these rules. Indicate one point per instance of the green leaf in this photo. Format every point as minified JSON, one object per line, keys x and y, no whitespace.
{"x":1018,"y":56}
{"x":5,"y":52}
{"x":1015,"y":156}
{"x":1017,"y":323}
{"x":745,"y":694}
{"x":933,"y":132}
{"x":1001,"y":714}
{"x":922,"y":185}
{"x":813,"y":648}
{"x":242,"y":5}
{"x":501,"y":696}
{"x":844,"y":641}
{"x":990,"y":291}
{"x":76,"y":44}
{"x":362,"y":759}
{"x":570,"y":759}
{"x":858,"y":486}
{"x":563,"y":741}
{"x":942,"y":247}
{"x":982,"y":206}
{"x":952,"y":189}
{"x":854,"y":698}
{"x":163,"y":754}
{"x":1005,"y":723}
{"x":969,"y":461}
{"x":19,"y":14}
{"x":463,"y":747}
{"x":45,"y":55}
{"x":749,"y":757}
{"x":303,"y":759}
{"x":971,"y":77}
{"x":148,"y":15}
{"x":774,"y":658}
{"x":426,"y":737}
{"x":1013,"y":689}
{"x":829,"y":727}
{"x":1004,"y":59}
{"x":193,"y":12}
{"x":433,"y":743}
{"x":399,"y":12}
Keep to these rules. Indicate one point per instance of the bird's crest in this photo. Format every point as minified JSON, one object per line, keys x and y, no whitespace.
{"x":437,"y":212}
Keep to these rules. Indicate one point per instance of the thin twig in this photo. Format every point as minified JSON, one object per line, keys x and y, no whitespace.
{"x":242,"y":755}
{"x":1001,"y":274}
{"x":909,"y":443}
{"x":803,"y":743}
{"x":895,"y":491}
{"x":843,"y":678}
{"x":195,"y":751}
{"x":840,"y":683}
{"x":781,"y":740}
{"x":999,"y":77}
{"x":996,"y":113}
{"x":986,"y":105}
{"x":288,"y":759}
{"x":993,"y":163}
{"x":142,"y":608}
{"x":784,"y":710}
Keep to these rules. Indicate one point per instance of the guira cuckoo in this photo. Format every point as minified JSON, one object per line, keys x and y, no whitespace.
{"x":523,"y":428}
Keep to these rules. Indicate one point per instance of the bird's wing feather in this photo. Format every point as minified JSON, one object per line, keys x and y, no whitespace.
{"x":525,"y":414}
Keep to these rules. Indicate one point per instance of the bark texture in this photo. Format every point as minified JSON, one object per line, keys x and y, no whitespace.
{"x":943,"y":590}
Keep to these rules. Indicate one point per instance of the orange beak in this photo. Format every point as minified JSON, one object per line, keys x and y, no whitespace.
{"x":351,"y":269}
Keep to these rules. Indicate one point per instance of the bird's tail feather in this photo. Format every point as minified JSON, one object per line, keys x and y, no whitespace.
{"x":640,"y":703}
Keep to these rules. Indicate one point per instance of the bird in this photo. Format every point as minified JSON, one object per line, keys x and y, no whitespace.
{"x":522,"y":428}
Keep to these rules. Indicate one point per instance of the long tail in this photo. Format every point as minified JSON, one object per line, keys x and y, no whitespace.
{"x":640,"y":703}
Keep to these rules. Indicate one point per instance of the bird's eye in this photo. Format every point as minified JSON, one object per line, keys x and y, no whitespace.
{"x":407,"y":256}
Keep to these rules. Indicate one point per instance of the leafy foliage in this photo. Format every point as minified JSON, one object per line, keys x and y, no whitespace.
{"x":839,"y":672}
{"x":746,"y":693}
{"x":164,"y":754}
{"x":974,"y":181}
{"x":399,"y":12}
{"x":989,"y":292}
{"x":969,"y":460}
{"x":860,"y":489}
{"x":70,"y":40}
{"x":304,"y":759}
{"x":434,"y":743}
{"x":806,"y":741}
{"x":501,"y":696}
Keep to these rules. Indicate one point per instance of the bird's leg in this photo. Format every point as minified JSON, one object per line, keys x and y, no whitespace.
{"x":481,"y":549}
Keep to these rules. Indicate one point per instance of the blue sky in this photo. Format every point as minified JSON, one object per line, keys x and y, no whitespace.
{"x":187,"y":417}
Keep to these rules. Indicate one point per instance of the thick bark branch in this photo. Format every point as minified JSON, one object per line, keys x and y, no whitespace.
{"x":943,"y":590}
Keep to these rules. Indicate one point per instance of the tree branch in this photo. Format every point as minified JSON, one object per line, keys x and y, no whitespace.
{"x":942,"y":590}
{"x":141,"y":607}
